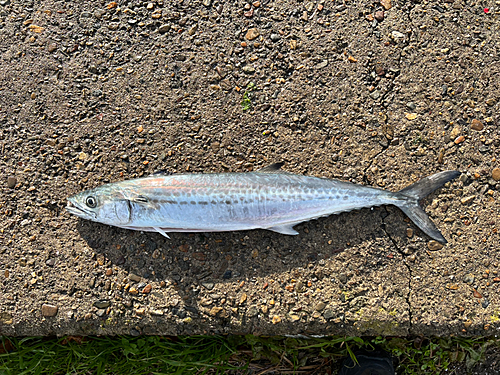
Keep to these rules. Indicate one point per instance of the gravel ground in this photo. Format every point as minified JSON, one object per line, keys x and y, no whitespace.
{"x":381,"y":94}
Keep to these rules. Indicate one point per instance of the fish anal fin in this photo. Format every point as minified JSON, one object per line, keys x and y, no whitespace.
{"x":270,"y":168}
{"x":284,"y":229}
{"x":161,"y":231}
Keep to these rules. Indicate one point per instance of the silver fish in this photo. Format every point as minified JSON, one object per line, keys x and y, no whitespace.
{"x":265,"y":199}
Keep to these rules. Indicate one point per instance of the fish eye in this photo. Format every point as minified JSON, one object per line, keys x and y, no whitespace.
{"x":91,"y":202}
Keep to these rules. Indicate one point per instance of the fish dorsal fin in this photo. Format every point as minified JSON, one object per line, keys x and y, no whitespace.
{"x":273,"y":168}
{"x":162,"y":172}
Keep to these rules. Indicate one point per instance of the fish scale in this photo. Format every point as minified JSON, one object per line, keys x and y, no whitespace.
{"x":266,"y":199}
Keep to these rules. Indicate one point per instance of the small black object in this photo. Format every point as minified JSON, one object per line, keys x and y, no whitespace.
{"x":369,"y":363}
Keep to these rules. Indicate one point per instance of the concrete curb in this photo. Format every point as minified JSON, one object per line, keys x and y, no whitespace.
{"x":93,"y":94}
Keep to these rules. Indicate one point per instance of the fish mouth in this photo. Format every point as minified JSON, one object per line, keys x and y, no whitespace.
{"x":76,"y":209}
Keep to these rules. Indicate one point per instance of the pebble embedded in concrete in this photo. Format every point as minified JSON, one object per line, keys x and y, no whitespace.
{"x":495,"y":174}
{"x":434,"y":245}
{"x":11,"y":182}
{"x":252,"y":34}
{"x":49,"y":310}
{"x":476,"y":125}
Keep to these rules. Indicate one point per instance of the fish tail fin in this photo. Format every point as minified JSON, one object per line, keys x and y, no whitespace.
{"x":419,"y":190}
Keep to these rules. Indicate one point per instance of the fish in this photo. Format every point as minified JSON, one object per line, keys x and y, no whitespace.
{"x":268,"y":198}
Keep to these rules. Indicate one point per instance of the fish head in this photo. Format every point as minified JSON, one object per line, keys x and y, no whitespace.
{"x":101,"y":205}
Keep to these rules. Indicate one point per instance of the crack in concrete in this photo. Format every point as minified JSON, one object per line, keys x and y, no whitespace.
{"x":390,"y":90}
{"x":394,"y":243}
{"x":405,"y":43}
{"x":365,"y":180}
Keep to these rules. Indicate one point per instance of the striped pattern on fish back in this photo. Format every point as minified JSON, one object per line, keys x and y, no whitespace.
{"x":234,"y":201}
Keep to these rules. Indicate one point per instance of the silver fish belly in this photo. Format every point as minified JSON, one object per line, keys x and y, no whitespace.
{"x":265,"y":199}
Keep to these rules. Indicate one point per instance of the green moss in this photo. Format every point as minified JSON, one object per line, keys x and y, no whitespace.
{"x":246,"y":103}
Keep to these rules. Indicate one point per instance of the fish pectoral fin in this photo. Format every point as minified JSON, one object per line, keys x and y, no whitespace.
{"x":284,"y":229}
{"x":161,"y":231}
{"x":143,"y":201}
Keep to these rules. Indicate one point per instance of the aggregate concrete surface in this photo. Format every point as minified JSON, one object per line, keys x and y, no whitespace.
{"x":378,"y":93}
